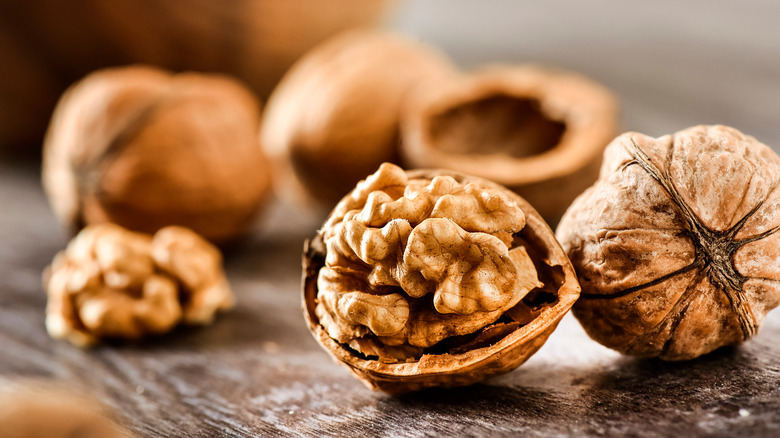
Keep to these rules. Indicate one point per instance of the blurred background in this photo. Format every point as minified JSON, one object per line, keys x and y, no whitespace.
{"x":673,"y":64}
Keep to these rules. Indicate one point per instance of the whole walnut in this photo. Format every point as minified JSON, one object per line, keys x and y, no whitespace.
{"x":676,"y":245}
{"x":38,"y":408}
{"x":144,"y":148}
{"x":334,"y":118}
{"x":433,"y":278}
{"x":111,"y":283}
{"x":47,"y":45}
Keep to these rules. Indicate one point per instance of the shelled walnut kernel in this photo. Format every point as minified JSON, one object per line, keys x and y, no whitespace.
{"x":114,"y":283}
{"x":434,"y":278}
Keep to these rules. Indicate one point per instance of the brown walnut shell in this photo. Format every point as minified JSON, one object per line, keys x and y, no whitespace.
{"x":676,"y":245}
{"x":334,"y":118}
{"x":144,"y":148}
{"x":537,"y":131}
{"x":491,"y":349}
{"x":46,"y":46}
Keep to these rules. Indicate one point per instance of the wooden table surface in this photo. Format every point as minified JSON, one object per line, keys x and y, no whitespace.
{"x":258,"y":372}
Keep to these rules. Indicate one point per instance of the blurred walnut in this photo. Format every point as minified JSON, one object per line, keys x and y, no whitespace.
{"x":538,"y":131}
{"x":46,"y":45}
{"x":334,"y":117}
{"x":144,"y":148}
{"x":114,"y":283}
{"x":433,"y":278}
{"x":676,"y":245}
{"x":33,"y":409}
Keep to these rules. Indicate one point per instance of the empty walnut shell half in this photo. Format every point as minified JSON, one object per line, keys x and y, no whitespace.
{"x":433,"y":278}
{"x":536,"y":131}
{"x":334,"y":118}
{"x":144,"y":148}
{"x":676,"y":245}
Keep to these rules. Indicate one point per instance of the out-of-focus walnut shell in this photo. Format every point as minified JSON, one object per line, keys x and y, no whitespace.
{"x":36,"y":408}
{"x":334,"y":118}
{"x":144,"y":148}
{"x":534,"y":317}
{"x":45,"y":46}
{"x":537,"y":131}
{"x":676,"y":245}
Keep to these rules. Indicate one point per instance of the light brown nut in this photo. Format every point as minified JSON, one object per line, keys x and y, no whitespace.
{"x":111,"y":283}
{"x":197,"y":265}
{"x":334,"y":117}
{"x":534,"y":130}
{"x":433,"y":278}
{"x":144,"y":148}
{"x":34,"y":408}
{"x":676,"y":245}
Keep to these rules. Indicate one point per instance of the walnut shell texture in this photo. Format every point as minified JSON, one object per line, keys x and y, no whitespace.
{"x":433,"y":278}
{"x":535,"y":130}
{"x":334,"y":118}
{"x":144,"y":148}
{"x":676,"y":245}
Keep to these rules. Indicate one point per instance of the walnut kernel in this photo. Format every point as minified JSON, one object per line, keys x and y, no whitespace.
{"x":114,"y":283}
{"x":676,"y":245}
{"x":433,"y":278}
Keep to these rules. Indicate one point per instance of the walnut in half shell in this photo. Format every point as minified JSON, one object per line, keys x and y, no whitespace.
{"x":144,"y":148}
{"x":433,"y":278}
{"x":677,"y":245}
{"x":537,"y":131}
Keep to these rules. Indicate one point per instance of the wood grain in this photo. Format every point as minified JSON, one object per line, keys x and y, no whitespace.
{"x":258,"y":372}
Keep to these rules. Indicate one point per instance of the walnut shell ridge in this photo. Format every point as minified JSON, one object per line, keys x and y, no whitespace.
{"x":405,"y":363}
{"x":676,"y":245}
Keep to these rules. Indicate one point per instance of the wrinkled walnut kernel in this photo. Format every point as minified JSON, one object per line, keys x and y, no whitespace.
{"x":409,"y":267}
{"x":676,"y":245}
{"x":414,"y":238}
{"x":113,"y":283}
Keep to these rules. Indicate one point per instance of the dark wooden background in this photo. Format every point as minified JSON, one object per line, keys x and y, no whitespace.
{"x":258,"y":372}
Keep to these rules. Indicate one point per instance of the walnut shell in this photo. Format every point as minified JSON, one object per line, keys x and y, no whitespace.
{"x":433,"y":278}
{"x":334,"y":117}
{"x":676,"y":245}
{"x":143,"y":148}
{"x":537,"y":131}
{"x":45,"y":46}
{"x":37,"y":408}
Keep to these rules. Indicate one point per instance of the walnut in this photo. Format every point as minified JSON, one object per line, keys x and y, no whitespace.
{"x":144,"y":148}
{"x":676,"y":245}
{"x":114,"y":283}
{"x":30,"y":408}
{"x":433,"y":278}
{"x":534,"y":130}
{"x":254,"y":40}
{"x":334,"y":117}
